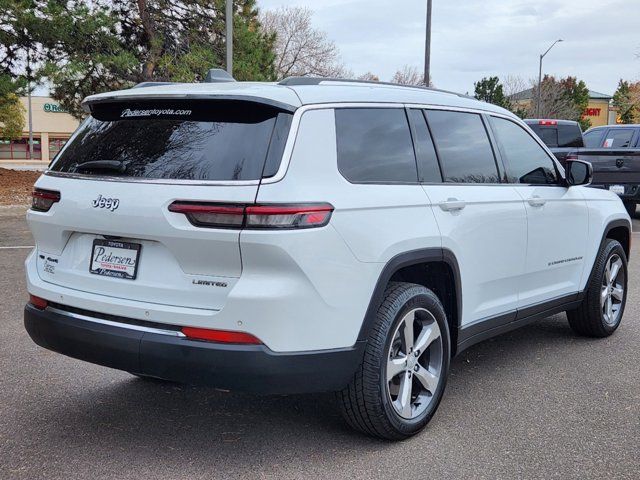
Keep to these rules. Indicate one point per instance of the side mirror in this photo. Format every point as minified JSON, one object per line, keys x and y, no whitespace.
{"x":578,"y":172}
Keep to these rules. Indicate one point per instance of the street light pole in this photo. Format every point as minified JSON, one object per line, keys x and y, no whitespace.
{"x":229,"y":40}
{"x":427,"y":47}
{"x":539,"y":99}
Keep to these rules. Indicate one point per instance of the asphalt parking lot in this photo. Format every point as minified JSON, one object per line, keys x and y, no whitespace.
{"x":535,"y":403}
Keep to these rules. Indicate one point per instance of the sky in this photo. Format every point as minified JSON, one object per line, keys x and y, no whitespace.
{"x":476,"y":38}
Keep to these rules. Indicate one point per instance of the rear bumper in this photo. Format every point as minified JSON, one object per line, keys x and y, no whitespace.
{"x":631,"y":191}
{"x":248,"y":368}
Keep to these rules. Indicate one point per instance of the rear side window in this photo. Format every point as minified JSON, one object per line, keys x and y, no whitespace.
{"x":618,"y":138}
{"x":203,"y":140}
{"x":527,"y":160}
{"x":463,"y":147}
{"x":375,"y":146}
{"x":428,"y":168}
{"x":569,"y":136}
{"x":592,"y":138}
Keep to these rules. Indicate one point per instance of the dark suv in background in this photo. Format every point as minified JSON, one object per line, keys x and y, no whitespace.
{"x":561,"y":136}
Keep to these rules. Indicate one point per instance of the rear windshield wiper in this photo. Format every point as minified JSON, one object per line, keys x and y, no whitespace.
{"x":113,"y":165}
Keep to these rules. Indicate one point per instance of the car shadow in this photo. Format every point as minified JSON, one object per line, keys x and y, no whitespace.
{"x":205,"y":424}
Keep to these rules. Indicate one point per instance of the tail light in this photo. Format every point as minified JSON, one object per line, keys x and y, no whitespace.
{"x":571,"y":156}
{"x":39,"y":303}
{"x":214,"y":215}
{"x":220,"y":336}
{"x":41,"y":200}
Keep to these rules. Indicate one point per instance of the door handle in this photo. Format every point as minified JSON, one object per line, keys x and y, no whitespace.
{"x":452,"y":205}
{"x":536,"y":201}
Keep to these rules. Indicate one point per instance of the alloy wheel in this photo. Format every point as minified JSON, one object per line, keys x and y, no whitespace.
{"x":414,"y":363}
{"x":612,"y":291}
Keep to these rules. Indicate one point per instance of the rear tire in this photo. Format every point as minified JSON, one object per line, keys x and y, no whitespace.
{"x":631,"y":208}
{"x":602,"y":308}
{"x":397,"y":388}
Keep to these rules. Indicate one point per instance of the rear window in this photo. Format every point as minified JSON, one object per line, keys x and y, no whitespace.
{"x":570,"y":136}
{"x":196,"y":140}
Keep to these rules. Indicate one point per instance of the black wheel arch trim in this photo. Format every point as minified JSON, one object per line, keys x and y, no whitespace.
{"x":605,"y":234}
{"x":407,"y":259}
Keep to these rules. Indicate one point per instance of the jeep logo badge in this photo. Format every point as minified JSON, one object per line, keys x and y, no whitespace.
{"x":108,"y":203}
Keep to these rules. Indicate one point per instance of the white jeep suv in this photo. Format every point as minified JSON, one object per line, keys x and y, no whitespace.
{"x":313,"y":235}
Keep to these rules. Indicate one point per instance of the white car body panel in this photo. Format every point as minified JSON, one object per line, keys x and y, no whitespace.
{"x":309,"y":290}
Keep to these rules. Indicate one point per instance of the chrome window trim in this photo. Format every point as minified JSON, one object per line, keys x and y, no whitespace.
{"x":139,"y":328}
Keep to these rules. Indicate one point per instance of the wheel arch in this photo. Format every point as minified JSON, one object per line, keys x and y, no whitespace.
{"x":434,"y":268}
{"x":619,"y":230}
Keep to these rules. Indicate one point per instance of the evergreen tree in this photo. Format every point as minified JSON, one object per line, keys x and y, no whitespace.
{"x":491,"y":90}
{"x":84,"y":48}
{"x":624,"y":102}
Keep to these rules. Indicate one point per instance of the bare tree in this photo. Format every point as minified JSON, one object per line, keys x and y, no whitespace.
{"x":368,"y":77}
{"x":512,"y":85}
{"x":409,"y":75}
{"x":554,"y":101}
{"x":300,"y":49}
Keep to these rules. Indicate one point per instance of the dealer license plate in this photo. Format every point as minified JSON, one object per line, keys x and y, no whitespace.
{"x":111,"y":258}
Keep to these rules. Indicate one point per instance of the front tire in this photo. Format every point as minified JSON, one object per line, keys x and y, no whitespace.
{"x":602,"y":308}
{"x":397,"y":388}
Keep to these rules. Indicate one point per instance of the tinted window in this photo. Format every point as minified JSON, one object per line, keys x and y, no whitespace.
{"x":569,"y":136}
{"x":177,"y":140}
{"x":618,"y":138}
{"x":549,"y":135}
{"x":427,"y":160}
{"x":374,"y":145}
{"x":592,"y":139}
{"x":463,"y":147}
{"x":527,"y":160}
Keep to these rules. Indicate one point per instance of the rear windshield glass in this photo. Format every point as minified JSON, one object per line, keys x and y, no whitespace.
{"x":196,"y":140}
{"x":562,"y":136}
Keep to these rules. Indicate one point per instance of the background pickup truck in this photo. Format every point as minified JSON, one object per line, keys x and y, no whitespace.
{"x":561,"y":136}
{"x":614,"y":152}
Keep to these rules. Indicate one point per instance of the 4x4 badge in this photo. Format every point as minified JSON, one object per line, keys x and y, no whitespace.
{"x":108,"y":203}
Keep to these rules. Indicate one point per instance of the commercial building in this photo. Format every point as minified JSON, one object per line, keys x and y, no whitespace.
{"x":599,"y":109}
{"x":52,"y":127}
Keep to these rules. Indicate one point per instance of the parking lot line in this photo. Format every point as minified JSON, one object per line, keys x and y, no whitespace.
{"x":17,"y":247}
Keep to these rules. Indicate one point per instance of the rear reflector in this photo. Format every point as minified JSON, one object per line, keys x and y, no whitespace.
{"x":548,"y":122}
{"x":41,"y":200}
{"x":220,"y":336}
{"x":39,"y":303}
{"x":214,"y":215}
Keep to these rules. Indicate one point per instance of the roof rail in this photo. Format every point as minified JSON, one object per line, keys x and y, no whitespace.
{"x":151,"y":84}
{"x":297,"y":81}
{"x":218,"y":75}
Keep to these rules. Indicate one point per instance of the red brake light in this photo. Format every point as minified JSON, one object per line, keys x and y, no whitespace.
{"x":571,"y":156}
{"x":41,"y":200}
{"x":220,"y":336}
{"x":39,"y":303}
{"x":214,"y":215}
{"x":210,"y":215}
{"x":548,"y":122}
